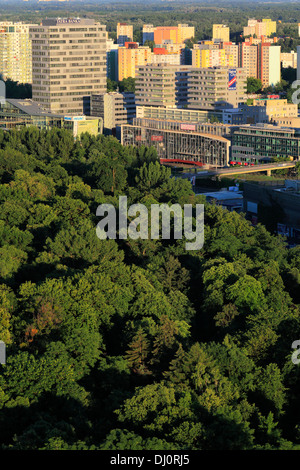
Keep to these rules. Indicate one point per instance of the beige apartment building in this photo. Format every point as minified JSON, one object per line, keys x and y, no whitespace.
{"x":155,"y":85}
{"x":15,"y":52}
{"x":232,"y":51}
{"x":264,"y":27}
{"x":68,"y":63}
{"x":221,"y":32}
{"x":248,"y":57}
{"x":275,"y":109}
{"x":124,"y":33}
{"x":216,"y":87}
{"x":289,"y":59}
{"x":188,"y":87}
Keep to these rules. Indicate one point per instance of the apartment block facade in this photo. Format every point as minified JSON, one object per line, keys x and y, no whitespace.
{"x":175,"y":34}
{"x":130,"y":57}
{"x":262,"y":61}
{"x":124,"y":33}
{"x":15,"y":52}
{"x":155,"y":85}
{"x":264,"y":27}
{"x":216,"y":87}
{"x":269,"y":64}
{"x":221,"y":32}
{"x":114,"y":108}
{"x":68,"y":63}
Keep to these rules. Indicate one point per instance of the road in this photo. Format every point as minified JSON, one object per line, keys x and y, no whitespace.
{"x":239,"y":170}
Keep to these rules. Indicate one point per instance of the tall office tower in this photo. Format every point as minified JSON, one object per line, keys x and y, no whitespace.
{"x":248,"y":57}
{"x":68,"y":63}
{"x":130,"y":56}
{"x":209,"y":88}
{"x":148,"y":32}
{"x":268,"y":64}
{"x":15,"y":52}
{"x":155,"y":85}
{"x":221,"y":32}
{"x":124,"y":33}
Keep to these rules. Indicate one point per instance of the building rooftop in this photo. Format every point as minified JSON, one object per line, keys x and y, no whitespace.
{"x":224,"y":195}
{"x":31,"y":107}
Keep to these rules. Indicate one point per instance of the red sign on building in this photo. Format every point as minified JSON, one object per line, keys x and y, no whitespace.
{"x":187,"y":127}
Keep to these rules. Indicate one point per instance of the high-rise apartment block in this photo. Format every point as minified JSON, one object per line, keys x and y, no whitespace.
{"x":68,"y":63}
{"x":259,"y":28}
{"x":15,"y":52}
{"x":268,"y":64}
{"x":270,"y":26}
{"x":213,"y":58}
{"x":289,"y":59}
{"x":248,"y":58}
{"x":261,"y":61}
{"x":124,"y":33}
{"x":193,"y":88}
{"x":175,"y":34}
{"x":131,"y":56}
{"x":221,"y":32}
{"x":162,"y":56}
{"x":112,"y":60}
{"x":232,"y":51}
{"x":155,"y":85}
{"x":216,"y":87}
{"x":148,"y":32}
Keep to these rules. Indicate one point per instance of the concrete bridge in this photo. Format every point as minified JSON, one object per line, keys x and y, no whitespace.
{"x":234,"y":170}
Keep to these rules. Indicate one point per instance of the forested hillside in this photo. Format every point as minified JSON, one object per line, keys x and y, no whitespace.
{"x":123,"y":344}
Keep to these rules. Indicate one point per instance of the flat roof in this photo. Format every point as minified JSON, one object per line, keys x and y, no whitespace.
{"x":201,"y":134}
{"x":31,"y":107}
{"x":224,"y":195}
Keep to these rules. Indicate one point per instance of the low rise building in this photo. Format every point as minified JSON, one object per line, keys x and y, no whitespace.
{"x":179,"y":114}
{"x":15,"y":113}
{"x":114,"y":108}
{"x":179,"y":141}
{"x":262,"y":142}
{"x":277,"y":205}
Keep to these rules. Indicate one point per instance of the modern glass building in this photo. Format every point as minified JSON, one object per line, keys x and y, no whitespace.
{"x":253,"y":143}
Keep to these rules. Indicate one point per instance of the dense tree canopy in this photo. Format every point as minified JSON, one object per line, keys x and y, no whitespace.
{"x":136,"y":344}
